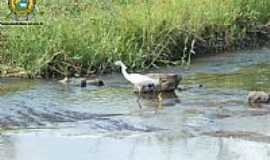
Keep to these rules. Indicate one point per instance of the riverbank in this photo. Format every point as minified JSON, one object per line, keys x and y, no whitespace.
{"x":85,"y":38}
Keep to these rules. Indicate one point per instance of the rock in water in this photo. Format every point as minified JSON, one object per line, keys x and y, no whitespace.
{"x":94,"y":82}
{"x":168,"y":83}
{"x":258,"y":97}
{"x":82,"y":82}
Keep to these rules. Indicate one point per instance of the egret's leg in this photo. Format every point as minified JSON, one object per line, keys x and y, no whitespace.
{"x":159,"y":100}
{"x":139,"y":98}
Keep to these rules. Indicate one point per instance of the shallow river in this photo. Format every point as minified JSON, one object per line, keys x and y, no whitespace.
{"x":45,"y":120}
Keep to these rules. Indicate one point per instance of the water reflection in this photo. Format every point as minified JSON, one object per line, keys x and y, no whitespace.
{"x":7,"y":148}
{"x":253,"y":77}
{"x":159,"y":100}
{"x":13,"y":85}
{"x":132,"y":148}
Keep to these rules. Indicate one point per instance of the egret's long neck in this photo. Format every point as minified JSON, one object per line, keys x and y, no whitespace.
{"x":124,"y":71}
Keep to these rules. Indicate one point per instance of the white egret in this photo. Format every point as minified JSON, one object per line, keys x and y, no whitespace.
{"x":140,"y":81}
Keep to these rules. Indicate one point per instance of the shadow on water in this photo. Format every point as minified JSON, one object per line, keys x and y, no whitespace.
{"x":212,"y":122}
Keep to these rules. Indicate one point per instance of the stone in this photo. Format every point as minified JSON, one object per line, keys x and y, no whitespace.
{"x":82,"y":82}
{"x":94,"y":82}
{"x":168,"y":83}
{"x":258,"y":97}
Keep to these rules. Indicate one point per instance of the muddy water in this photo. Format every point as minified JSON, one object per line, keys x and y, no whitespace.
{"x":41,"y":120}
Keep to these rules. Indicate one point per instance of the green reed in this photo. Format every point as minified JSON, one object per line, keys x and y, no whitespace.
{"x":87,"y":36}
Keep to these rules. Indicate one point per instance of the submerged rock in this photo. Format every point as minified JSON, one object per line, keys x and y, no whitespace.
{"x":92,"y":82}
{"x":258,"y":97}
{"x":185,"y":88}
{"x":167,"y":83}
{"x":82,"y":82}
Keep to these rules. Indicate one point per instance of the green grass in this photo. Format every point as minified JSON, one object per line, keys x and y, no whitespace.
{"x":88,"y":37}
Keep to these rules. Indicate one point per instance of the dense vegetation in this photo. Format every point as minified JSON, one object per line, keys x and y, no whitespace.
{"x":87,"y":36}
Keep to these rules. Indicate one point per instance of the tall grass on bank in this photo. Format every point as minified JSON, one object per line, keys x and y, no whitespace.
{"x":87,"y":36}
